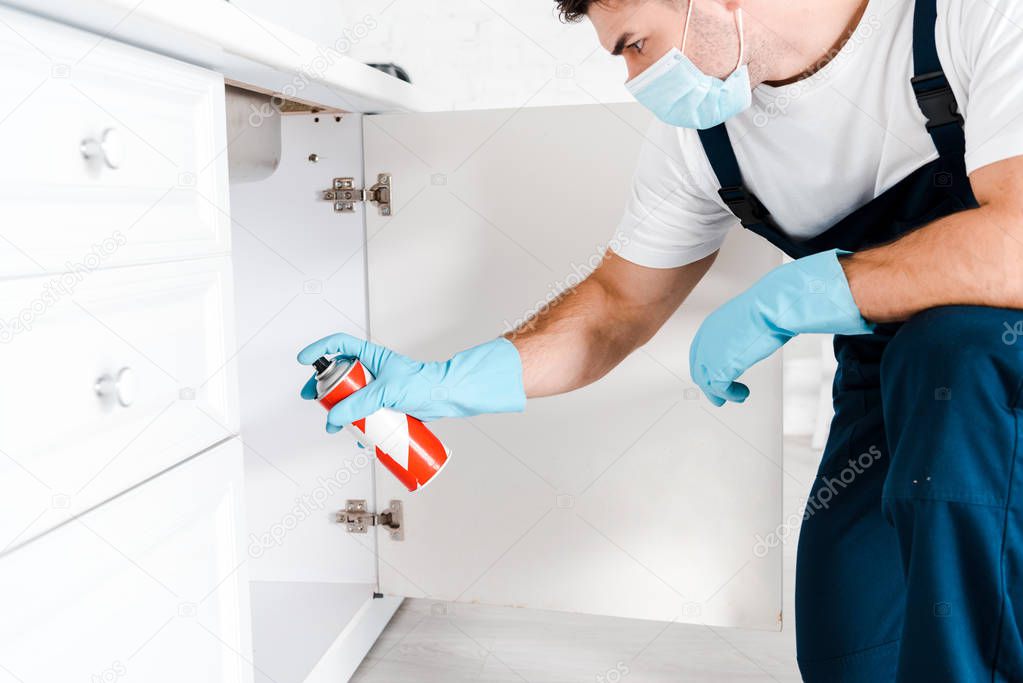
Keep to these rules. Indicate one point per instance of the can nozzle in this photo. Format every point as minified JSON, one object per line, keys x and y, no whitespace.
{"x":321,"y":364}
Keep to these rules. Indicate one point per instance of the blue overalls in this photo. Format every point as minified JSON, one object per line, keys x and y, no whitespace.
{"x":913,"y":569}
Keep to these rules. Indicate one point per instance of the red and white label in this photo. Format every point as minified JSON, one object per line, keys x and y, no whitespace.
{"x":403,"y":444}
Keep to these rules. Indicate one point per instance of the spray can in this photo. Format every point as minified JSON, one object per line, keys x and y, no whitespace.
{"x":403,"y":444}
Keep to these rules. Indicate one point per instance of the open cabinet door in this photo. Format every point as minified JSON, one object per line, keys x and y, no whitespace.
{"x":632,"y":497}
{"x":300,"y":275}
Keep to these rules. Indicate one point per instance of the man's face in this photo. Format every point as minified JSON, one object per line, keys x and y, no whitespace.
{"x":642,"y":31}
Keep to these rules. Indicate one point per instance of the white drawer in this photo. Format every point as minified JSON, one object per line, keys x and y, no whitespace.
{"x":63,"y":448}
{"x":148,"y":587}
{"x":167,"y":199}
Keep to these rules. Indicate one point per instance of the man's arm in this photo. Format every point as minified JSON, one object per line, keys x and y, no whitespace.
{"x":592,"y":327}
{"x":575,"y":341}
{"x":971,"y":258}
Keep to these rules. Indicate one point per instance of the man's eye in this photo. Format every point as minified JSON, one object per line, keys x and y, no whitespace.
{"x":637,"y":46}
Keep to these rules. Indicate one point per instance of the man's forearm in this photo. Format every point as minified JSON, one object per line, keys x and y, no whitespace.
{"x":588,"y":330}
{"x":971,"y":258}
{"x":565,"y":347}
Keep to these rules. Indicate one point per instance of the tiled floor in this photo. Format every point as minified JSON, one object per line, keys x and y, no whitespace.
{"x":433,"y":641}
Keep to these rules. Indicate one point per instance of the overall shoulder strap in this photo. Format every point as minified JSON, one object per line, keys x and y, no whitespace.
{"x":750,"y":211}
{"x":933,"y":93}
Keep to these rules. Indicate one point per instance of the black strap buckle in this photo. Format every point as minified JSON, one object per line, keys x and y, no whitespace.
{"x":744,"y":204}
{"x":938,"y":103}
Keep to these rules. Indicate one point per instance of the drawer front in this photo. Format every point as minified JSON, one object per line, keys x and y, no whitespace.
{"x":163,"y":124}
{"x":163,"y":337}
{"x":148,"y":587}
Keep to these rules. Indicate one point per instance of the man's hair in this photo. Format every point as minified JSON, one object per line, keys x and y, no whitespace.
{"x":573,"y":10}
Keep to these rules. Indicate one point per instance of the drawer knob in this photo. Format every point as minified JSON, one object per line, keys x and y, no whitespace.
{"x":109,"y":147}
{"x":123,"y":386}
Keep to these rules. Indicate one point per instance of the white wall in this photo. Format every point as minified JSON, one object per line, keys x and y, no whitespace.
{"x":471,"y":54}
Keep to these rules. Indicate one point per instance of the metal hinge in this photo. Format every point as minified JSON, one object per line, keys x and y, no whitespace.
{"x":345,"y":195}
{"x":357,"y":520}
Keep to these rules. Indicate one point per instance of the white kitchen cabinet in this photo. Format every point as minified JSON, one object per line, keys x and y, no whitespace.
{"x":120,"y":153}
{"x":632,"y":497}
{"x":122,"y":533}
{"x":153,"y":340}
{"x":151,"y":586}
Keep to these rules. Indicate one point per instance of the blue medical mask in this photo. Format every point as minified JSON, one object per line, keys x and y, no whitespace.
{"x":680,"y":94}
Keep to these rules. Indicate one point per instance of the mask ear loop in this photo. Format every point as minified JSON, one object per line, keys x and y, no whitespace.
{"x":685,"y":31}
{"x":738,"y":22}
{"x":742,"y":37}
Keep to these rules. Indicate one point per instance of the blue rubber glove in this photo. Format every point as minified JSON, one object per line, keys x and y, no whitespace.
{"x":483,"y":379}
{"x":810,"y":295}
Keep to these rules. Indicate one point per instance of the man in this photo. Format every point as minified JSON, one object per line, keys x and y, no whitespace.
{"x":878,"y":143}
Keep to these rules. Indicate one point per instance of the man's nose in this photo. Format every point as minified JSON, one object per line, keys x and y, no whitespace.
{"x":634,"y":66}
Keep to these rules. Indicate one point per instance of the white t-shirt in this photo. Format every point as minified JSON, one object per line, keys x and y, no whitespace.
{"x":815,"y":150}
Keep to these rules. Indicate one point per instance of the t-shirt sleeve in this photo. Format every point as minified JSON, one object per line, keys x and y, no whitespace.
{"x":991,"y":52}
{"x":670,"y":219}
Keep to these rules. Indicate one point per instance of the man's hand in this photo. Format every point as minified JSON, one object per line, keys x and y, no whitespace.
{"x":805,"y":296}
{"x":483,"y":379}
